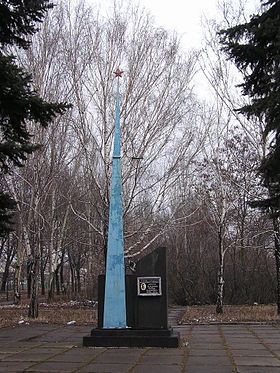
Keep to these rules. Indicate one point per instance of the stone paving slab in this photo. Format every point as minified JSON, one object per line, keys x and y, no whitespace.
{"x":160,"y":359}
{"x":246,"y":369}
{"x":116,"y":358}
{"x":156,"y":369}
{"x":257,"y":361}
{"x":165,"y":352}
{"x":81,"y":358}
{"x":59,"y":345}
{"x":211,"y":348}
{"x":209,"y":360}
{"x":243,"y":346}
{"x":250,"y":352}
{"x":273,"y":346}
{"x":200,"y":352}
{"x":27,"y":356}
{"x":54,"y":367}
{"x":209,"y":369}
{"x":106,"y":368}
{"x":205,"y":346}
{"x":14,"y":366}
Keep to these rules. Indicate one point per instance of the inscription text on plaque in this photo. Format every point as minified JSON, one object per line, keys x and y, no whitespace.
{"x":149,"y":286}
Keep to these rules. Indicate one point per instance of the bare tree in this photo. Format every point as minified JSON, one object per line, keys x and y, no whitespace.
{"x":65,"y":183}
{"x":161,"y":128}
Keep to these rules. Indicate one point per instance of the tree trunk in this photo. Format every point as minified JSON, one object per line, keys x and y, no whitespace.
{"x":51,"y":286}
{"x":220,"y":290}
{"x":5,"y":275}
{"x":17,"y":286}
{"x":42,"y":271}
{"x":277,"y":258}
{"x":105,"y":234}
{"x":57,"y":283}
{"x":72,"y":274}
{"x":219,"y":306}
{"x":33,"y":311}
{"x":78,"y":272}
{"x":10,"y":256}
{"x":29,"y":266}
{"x":42,"y":274}
{"x":61,"y":274}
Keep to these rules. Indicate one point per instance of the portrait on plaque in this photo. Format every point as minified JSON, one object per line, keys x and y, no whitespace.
{"x":149,"y":286}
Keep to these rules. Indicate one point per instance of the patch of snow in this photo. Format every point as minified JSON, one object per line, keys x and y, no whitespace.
{"x":71,"y":322}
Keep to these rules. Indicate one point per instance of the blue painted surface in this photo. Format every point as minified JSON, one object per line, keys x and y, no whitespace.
{"x":114,"y":300}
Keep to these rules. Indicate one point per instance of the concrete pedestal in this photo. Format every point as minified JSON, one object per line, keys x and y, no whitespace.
{"x":132,"y":338}
{"x":147,"y":323}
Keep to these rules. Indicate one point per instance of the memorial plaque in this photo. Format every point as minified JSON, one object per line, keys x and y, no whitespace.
{"x":149,"y":286}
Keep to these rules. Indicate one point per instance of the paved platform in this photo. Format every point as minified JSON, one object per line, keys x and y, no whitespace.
{"x":211,"y":348}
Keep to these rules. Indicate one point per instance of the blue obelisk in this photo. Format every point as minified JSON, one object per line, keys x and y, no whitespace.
{"x":114,"y":299}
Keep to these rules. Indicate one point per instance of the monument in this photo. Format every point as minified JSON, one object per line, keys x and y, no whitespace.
{"x":132,"y":309}
{"x":115,"y":270}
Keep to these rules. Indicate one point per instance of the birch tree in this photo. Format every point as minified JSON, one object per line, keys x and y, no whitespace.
{"x":161,"y":129}
{"x":67,"y":180}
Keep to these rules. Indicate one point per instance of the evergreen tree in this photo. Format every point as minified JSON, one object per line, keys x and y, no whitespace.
{"x":255,"y":49}
{"x":19,"y":103}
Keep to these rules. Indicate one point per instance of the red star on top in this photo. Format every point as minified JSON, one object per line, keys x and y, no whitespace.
{"x":118,"y":73}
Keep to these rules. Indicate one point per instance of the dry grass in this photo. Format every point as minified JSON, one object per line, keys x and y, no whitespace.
{"x":56,"y":315}
{"x":232,"y":314}
{"x":61,"y":313}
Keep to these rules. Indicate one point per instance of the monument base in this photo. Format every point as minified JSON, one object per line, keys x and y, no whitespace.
{"x":132,"y":338}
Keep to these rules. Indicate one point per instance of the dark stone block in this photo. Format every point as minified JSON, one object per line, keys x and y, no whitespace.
{"x":142,"y":311}
{"x":152,"y":310}
{"x":132,"y":338}
{"x":131,"y":332}
{"x":146,"y":314}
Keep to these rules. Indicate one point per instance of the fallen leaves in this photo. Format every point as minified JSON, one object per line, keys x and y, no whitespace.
{"x":232,"y":314}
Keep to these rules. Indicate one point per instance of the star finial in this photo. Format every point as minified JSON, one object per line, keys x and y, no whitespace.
{"x":118,"y":73}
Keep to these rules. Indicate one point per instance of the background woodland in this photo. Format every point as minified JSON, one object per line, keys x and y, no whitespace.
{"x":189,"y":163}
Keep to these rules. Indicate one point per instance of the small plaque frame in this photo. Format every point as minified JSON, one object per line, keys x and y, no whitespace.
{"x":149,"y":286}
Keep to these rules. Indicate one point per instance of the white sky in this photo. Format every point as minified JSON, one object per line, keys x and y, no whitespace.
{"x":183,"y":16}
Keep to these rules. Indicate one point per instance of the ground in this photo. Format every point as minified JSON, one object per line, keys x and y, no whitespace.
{"x":85,"y":313}
{"x":58,"y":312}
{"x":219,"y":348}
{"x":232,"y":314}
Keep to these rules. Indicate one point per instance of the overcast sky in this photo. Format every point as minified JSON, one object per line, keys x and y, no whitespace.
{"x":183,"y":16}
